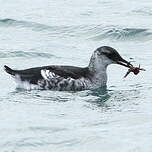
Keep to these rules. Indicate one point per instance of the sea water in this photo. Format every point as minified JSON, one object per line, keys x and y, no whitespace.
{"x":64,"y":32}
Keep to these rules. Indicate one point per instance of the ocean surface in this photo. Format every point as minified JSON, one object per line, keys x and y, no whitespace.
{"x":45,"y":32}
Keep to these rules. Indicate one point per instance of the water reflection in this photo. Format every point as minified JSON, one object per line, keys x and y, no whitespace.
{"x":99,"y":97}
{"x":115,"y":100}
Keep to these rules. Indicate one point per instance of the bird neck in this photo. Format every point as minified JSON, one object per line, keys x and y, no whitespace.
{"x":97,"y":64}
{"x":98,"y":68}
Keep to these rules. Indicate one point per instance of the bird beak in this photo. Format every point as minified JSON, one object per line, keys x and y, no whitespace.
{"x":124,"y":63}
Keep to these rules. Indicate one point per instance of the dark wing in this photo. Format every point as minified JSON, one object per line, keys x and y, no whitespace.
{"x":34,"y":74}
{"x":68,"y":71}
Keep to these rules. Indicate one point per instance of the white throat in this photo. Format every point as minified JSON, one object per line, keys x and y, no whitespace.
{"x":98,"y":67}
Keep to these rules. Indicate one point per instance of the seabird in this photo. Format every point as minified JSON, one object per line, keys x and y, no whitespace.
{"x":71,"y":78}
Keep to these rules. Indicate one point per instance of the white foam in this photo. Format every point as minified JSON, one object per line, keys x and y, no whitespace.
{"x":25,"y":84}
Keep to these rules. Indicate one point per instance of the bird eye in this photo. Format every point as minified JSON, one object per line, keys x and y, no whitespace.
{"x":107,"y":54}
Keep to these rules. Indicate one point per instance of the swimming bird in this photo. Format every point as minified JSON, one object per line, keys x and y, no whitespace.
{"x":71,"y":78}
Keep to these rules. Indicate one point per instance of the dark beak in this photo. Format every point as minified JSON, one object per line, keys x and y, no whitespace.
{"x":125,"y":63}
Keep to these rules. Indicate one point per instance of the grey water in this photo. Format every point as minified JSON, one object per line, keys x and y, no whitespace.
{"x":44,"y":32}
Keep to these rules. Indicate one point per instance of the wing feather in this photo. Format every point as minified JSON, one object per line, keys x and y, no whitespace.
{"x":47,"y":74}
{"x":33,"y":75}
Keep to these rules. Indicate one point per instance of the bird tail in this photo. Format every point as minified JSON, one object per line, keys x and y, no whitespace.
{"x":9,"y":70}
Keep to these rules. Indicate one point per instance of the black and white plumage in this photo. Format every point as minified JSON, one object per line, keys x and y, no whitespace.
{"x":67,"y":78}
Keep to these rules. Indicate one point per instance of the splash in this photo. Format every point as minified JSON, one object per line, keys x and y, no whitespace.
{"x":25,"y":84}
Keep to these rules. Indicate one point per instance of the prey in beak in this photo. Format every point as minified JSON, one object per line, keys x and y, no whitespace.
{"x":116,"y":58}
{"x":133,"y":69}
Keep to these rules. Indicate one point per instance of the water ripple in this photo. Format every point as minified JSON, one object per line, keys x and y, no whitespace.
{"x":25,"y":54}
{"x":92,"y":32}
{"x":143,"y":11}
{"x":16,"y":23}
{"x":123,"y":34}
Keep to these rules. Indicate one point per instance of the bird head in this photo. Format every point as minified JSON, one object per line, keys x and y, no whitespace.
{"x":105,"y":55}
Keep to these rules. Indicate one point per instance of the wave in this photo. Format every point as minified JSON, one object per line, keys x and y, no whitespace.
{"x":92,"y":32}
{"x":34,"y":26}
{"x":16,"y":23}
{"x":25,"y":54}
{"x":122,"y":34}
{"x":145,"y":11}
